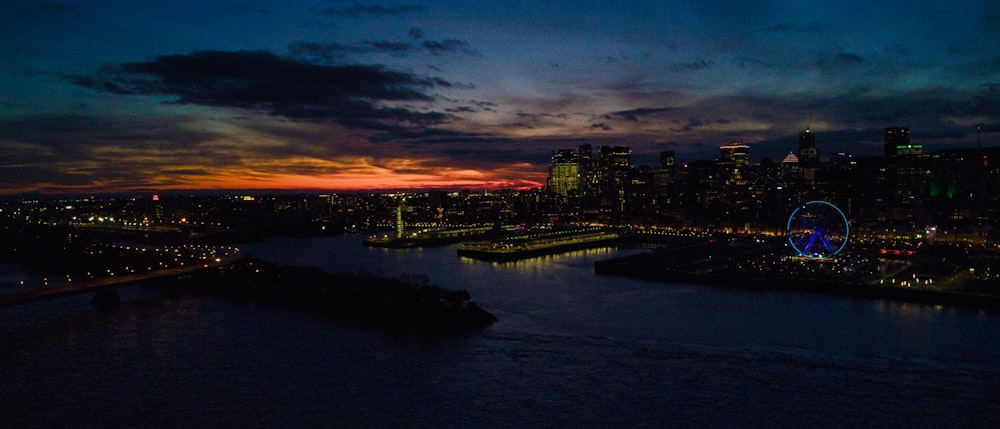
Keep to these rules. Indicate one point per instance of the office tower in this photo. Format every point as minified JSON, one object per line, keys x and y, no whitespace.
{"x":734,"y":158}
{"x":734,"y":155}
{"x":896,"y":137}
{"x":585,"y":155}
{"x":663,"y":176}
{"x":564,"y":172}
{"x":808,"y":154}
{"x":611,"y":174}
{"x":667,"y":158}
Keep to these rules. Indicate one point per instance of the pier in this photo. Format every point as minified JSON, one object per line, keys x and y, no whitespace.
{"x":539,"y":244}
{"x":428,"y":237}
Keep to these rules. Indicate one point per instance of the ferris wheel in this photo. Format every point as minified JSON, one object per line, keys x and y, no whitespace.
{"x":817,"y":229}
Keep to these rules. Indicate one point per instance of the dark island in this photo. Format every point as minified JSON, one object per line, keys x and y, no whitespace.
{"x":410,"y":305}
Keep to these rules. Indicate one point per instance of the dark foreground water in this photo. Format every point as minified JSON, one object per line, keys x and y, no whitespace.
{"x":570,"y":349}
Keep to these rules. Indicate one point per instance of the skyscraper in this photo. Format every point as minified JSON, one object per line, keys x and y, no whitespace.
{"x":734,"y":155}
{"x":667,"y":158}
{"x":808,"y":154}
{"x":586,"y":161}
{"x":734,"y":158}
{"x":896,"y":137}
{"x":613,"y":166}
{"x":663,"y":176}
{"x":564,"y":172}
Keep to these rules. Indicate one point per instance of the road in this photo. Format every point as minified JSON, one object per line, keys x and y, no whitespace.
{"x":77,"y":288}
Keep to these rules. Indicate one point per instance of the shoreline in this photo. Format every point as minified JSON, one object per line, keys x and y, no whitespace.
{"x":639,"y":267}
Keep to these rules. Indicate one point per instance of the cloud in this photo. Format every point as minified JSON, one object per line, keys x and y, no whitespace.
{"x":351,"y":95}
{"x":335,"y":52}
{"x":600,"y":126}
{"x":635,"y":114}
{"x":416,"y":33}
{"x":839,"y":61}
{"x":795,"y":27}
{"x":359,"y":10}
{"x":695,"y":65}
{"x":693,"y":123}
{"x":66,"y":152}
{"x":448,"y":46}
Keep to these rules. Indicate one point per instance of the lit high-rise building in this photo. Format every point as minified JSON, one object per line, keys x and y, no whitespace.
{"x":896,"y":137}
{"x":667,"y":158}
{"x":586,"y":161}
{"x":564,"y":172}
{"x":734,"y":155}
{"x":808,"y":154}
{"x":615,"y":157}
{"x":663,"y":176}
{"x":613,"y":165}
{"x":734,"y":158}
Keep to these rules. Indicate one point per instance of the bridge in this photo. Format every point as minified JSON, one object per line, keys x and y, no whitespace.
{"x":78,"y":288}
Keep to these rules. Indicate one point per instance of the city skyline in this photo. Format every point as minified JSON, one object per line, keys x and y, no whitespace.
{"x":115,"y":97}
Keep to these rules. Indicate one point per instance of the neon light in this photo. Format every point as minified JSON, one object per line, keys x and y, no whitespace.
{"x":817,"y":233}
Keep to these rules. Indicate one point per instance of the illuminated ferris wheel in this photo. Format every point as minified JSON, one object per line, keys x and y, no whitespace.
{"x":817,"y":229}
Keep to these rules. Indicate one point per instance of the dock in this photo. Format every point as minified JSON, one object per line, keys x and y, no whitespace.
{"x":428,"y":238}
{"x":533,"y":245}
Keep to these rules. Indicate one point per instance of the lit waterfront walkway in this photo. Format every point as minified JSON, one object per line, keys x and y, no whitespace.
{"x":77,"y":288}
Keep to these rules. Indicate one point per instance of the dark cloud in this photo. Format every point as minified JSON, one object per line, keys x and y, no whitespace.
{"x":634,"y":114}
{"x":746,"y":62}
{"x":73,"y":136}
{"x":695,"y":65}
{"x":600,"y":126}
{"x":848,"y":58}
{"x":359,"y":10}
{"x":416,"y":33}
{"x":521,"y":125}
{"x":840,"y":60}
{"x":431,"y":135}
{"x":795,"y":27}
{"x":351,"y":95}
{"x":693,"y":123}
{"x":525,"y":152}
{"x":335,"y":52}
{"x":449,"y":46}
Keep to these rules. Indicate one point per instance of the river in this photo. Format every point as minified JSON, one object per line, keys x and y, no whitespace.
{"x":570,"y":349}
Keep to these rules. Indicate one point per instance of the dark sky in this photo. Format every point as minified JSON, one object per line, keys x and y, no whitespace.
{"x":112,"y":96}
